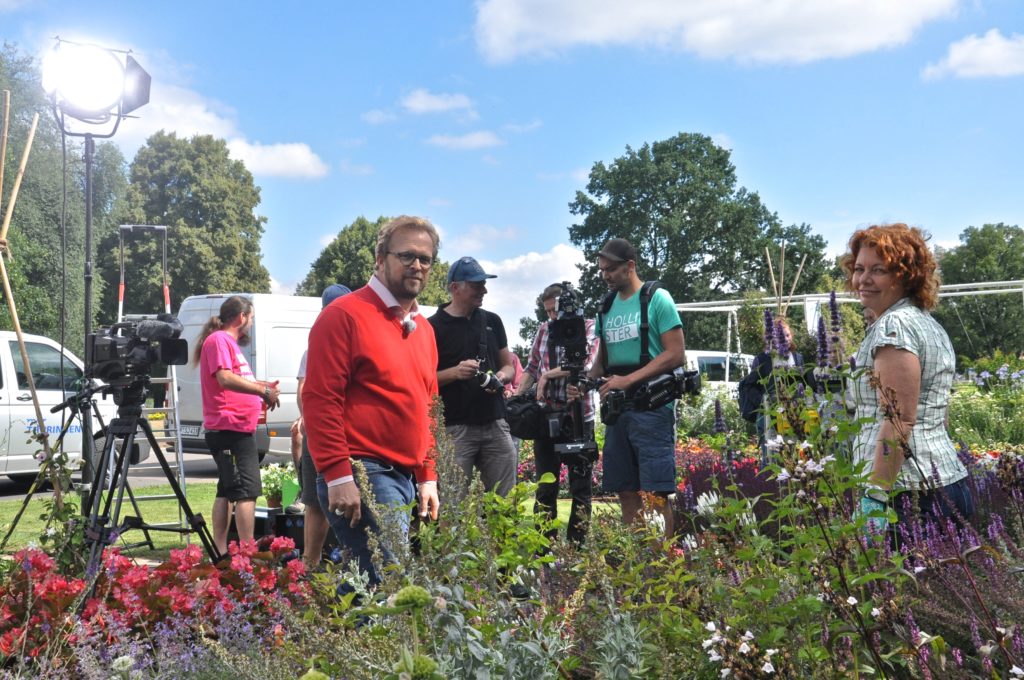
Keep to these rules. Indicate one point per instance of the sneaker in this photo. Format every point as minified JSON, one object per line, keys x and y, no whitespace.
{"x":296,"y":508}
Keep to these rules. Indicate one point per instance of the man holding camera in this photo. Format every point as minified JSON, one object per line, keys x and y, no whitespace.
{"x":639,"y":449}
{"x":473,"y":365}
{"x":545,"y":369}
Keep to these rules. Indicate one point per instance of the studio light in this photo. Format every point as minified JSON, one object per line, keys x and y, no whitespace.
{"x":97,"y":87}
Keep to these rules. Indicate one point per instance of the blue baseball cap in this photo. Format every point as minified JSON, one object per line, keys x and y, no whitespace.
{"x":333,"y":292}
{"x":468,"y":269}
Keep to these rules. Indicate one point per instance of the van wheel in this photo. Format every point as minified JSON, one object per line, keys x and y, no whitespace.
{"x":262,"y":455}
{"x":23,"y":480}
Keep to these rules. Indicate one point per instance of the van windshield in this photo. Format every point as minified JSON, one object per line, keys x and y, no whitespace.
{"x":713,"y":368}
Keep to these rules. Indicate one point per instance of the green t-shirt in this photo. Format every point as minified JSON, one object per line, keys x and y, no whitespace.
{"x":620,"y":327}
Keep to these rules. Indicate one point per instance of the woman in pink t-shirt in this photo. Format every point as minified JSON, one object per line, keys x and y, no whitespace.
{"x":232,"y":401}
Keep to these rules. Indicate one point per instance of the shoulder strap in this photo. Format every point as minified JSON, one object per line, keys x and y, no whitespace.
{"x":605,"y":307}
{"x":646,"y":292}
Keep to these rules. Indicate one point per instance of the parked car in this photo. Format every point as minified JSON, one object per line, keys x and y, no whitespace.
{"x":54,"y":384}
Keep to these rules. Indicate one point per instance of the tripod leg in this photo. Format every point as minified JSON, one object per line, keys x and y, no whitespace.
{"x":97,"y":531}
{"x":195,"y":521}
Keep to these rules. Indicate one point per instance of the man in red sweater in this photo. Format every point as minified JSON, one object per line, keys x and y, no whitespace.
{"x":370,"y":382}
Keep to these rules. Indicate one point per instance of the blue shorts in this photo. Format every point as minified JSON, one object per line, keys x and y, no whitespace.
{"x":639,"y":452}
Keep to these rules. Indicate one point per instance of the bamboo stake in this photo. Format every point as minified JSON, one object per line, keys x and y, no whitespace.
{"x":789,"y":300}
{"x":17,"y":179}
{"x":771,"y":271}
{"x":782,"y":276}
{"x":3,"y":141}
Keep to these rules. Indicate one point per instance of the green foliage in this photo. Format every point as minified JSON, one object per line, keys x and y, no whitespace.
{"x":981,"y":325}
{"x":349,"y":259}
{"x":208,"y":201}
{"x":697,"y":232}
{"x":982,"y":418}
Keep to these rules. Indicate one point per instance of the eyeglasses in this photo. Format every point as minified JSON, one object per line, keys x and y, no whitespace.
{"x":408,"y":258}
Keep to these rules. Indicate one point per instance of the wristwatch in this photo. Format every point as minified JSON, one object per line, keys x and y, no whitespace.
{"x":877,"y":494}
{"x":266,"y":393}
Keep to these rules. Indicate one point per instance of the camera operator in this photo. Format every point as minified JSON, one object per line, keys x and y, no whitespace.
{"x":552,"y":383}
{"x":474,"y":363}
{"x":232,"y":401}
{"x":639,"y":449}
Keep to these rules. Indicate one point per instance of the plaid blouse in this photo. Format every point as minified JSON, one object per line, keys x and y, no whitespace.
{"x":910,"y":328}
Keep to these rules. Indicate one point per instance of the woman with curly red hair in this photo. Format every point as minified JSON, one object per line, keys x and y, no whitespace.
{"x":904,"y":396}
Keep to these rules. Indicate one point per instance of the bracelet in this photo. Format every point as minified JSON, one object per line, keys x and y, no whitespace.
{"x":876,"y":493}
{"x":266,"y":393}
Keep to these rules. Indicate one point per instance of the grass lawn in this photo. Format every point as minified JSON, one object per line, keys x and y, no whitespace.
{"x":200,"y":497}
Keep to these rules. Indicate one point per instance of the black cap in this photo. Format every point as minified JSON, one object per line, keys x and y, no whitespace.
{"x":618,"y":250}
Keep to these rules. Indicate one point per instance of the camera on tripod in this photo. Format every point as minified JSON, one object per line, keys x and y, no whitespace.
{"x":123,"y":354}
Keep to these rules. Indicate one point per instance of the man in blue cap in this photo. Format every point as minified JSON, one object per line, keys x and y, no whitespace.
{"x":474,"y":364}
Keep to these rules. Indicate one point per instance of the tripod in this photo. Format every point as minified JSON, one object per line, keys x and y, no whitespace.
{"x":102,"y":526}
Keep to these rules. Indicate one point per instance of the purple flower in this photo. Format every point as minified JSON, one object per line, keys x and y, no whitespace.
{"x":781,"y":343}
{"x":719,"y":418}
{"x":822,"y":343}
{"x":769,"y":330}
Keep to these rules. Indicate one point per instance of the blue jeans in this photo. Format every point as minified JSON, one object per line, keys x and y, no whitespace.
{"x":393,"y":490}
{"x":640,"y":452}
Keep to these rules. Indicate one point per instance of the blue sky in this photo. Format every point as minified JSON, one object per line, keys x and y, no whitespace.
{"x":487,"y":116}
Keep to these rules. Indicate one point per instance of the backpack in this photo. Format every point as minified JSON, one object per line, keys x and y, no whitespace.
{"x":750,"y":394}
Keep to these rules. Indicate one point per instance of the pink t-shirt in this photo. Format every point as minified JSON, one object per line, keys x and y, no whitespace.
{"x":225,"y":409}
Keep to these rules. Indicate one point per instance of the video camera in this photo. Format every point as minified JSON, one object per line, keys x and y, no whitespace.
{"x":568,"y":333}
{"x":123,"y":354}
{"x":650,"y":395}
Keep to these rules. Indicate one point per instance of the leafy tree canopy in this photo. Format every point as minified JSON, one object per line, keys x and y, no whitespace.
{"x":979,"y":325}
{"x":349,"y":259}
{"x":208,"y":202}
{"x":703,"y":237}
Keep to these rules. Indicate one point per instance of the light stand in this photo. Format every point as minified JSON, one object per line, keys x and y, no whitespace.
{"x":94,"y":86}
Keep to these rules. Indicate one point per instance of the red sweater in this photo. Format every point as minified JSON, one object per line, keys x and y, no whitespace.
{"x":369,"y":388}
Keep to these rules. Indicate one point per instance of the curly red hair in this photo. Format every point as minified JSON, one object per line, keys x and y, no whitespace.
{"x":905,"y":252}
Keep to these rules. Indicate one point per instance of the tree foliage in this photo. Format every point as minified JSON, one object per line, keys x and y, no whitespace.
{"x":704,"y":238}
{"x":208,"y":202}
{"x":349,"y":259}
{"x":979,"y":325}
{"x":46,"y":269}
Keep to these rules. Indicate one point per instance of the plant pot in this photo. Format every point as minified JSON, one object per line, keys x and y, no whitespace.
{"x":274,"y":502}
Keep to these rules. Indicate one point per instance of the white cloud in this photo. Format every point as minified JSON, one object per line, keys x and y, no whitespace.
{"x":480,"y":236}
{"x":794,"y":31}
{"x":520,"y":128}
{"x":723,"y":140}
{"x":989,"y":56}
{"x":422,"y":101}
{"x":520,"y":280}
{"x":359,"y":170}
{"x":378,"y":116}
{"x":327,"y":239}
{"x":278,"y":160}
{"x":481,"y":139}
{"x":283,"y":288}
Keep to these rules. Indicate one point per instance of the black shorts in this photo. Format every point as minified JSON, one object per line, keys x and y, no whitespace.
{"x":307,"y":477}
{"x":238,"y":464}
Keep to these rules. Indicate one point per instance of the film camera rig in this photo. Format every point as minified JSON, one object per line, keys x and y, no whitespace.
{"x":122,"y":356}
{"x":568,"y":333}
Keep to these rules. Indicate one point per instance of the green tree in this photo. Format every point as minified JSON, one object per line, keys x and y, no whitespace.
{"x":349,"y":260}
{"x":208,"y":202}
{"x":697,"y":232}
{"x":47,"y":267}
{"x":979,"y":325}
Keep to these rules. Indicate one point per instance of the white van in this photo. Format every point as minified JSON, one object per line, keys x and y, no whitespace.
{"x":713,"y":367}
{"x":279,"y":336}
{"x":18,"y":414}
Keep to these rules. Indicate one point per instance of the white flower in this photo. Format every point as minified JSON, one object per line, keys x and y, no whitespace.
{"x":707,"y":643}
{"x":804,"y":445}
{"x":744,"y":648}
{"x":768,"y":667}
{"x":706,"y":502}
{"x":710,"y":625}
{"x":771,"y":652}
{"x":726,"y":672}
{"x":747,"y":637}
{"x":1017,"y":672}
{"x":714,"y":656}
{"x":783,"y":475}
{"x":852,"y":601}
{"x":875,"y":612}
{"x":121,"y":664}
{"x":918,"y":570}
